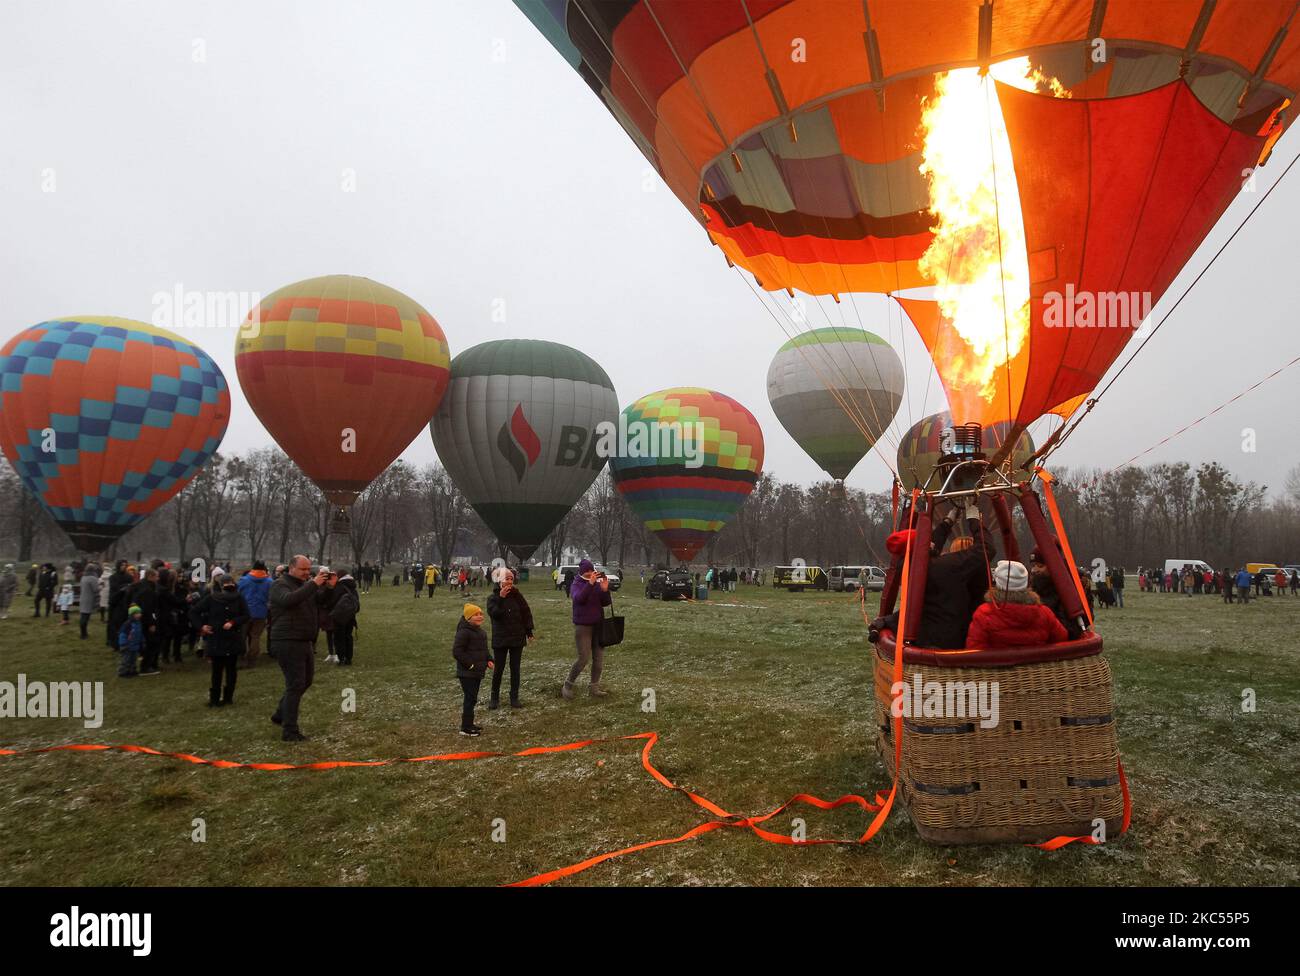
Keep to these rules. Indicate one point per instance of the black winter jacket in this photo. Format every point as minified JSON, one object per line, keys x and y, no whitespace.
{"x":470,"y":649}
{"x":954,"y":588}
{"x":144,"y":595}
{"x":512,"y":618}
{"x":215,"y":610}
{"x":293,"y":610}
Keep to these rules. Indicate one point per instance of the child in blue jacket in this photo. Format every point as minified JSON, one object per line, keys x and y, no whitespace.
{"x":130,"y":642}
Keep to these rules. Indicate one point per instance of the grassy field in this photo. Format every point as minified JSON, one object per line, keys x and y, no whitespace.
{"x":759,"y":695}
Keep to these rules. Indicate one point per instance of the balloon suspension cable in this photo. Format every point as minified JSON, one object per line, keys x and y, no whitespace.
{"x":1182,"y":430}
{"x":1063,"y":432}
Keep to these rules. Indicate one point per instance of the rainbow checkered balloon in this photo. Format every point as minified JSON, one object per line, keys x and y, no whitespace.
{"x":105,"y":419}
{"x":686,"y":505}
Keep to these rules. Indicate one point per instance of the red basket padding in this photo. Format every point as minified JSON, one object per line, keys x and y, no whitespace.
{"x":999,"y":657}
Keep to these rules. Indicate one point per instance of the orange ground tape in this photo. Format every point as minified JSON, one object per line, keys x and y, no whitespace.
{"x":1056,"y":843}
{"x":724,"y":819}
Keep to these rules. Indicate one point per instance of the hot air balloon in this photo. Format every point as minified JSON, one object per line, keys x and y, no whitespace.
{"x":343,"y":372}
{"x":105,"y":419}
{"x":685,"y":486}
{"x":1082,"y":150}
{"x":920,"y":450}
{"x":835,"y":391}
{"x":518,"y":434}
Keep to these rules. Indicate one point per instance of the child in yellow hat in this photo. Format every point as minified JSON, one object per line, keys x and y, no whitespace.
{"x":473,"y":660}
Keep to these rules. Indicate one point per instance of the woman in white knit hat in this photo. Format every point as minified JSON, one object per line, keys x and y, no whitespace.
{"x":1012,"y":615}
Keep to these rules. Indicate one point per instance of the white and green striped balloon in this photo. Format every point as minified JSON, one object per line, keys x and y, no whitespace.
{"x":816,"y":370}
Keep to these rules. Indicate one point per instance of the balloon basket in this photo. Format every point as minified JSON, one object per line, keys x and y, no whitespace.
{"x":1049,"y":766}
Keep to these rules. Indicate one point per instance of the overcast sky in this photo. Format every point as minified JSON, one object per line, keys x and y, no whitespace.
{"x":207,"y":146}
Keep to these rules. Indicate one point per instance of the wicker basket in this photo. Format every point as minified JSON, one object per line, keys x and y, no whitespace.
{"x":1049,"y":766}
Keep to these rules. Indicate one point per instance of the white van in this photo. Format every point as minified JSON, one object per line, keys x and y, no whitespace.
{"x":1198,"y":565}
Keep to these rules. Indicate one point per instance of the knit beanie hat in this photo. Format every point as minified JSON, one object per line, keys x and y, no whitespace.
{"x":898,"y":542}
{"x":470,"y":610}
{"x":133,"y":610}
{"x":585,"y":566}
{"x":1008,"y":575}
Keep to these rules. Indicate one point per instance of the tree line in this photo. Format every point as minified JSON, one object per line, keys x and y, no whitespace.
{"x":259,"y":505}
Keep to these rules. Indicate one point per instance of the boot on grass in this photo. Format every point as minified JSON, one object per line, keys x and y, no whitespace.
{"x":566,"y":692}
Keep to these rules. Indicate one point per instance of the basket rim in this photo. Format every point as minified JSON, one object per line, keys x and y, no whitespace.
{"x":1088,"y":645}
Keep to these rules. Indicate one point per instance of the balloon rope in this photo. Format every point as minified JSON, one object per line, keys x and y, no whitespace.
{"x":1185,"y":429}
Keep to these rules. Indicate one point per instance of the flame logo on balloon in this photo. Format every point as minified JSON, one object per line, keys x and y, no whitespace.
{"x":519,"y":443}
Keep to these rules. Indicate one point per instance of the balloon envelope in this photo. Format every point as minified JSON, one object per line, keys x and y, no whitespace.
{"x":517,"y":433}
{"x":343,"y":372}
{"x":105,"y":419}
{"x":804,"y":163}
{"x":686,"y":495}
{"x":919,"y":450}
{"x":835,"y":390}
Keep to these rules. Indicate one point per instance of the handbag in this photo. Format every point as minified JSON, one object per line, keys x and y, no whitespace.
{"x":611,"y":628}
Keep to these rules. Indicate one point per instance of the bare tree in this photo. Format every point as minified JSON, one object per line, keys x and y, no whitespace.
{"x":26,"y":519}
{"x":291,"y":487}
{"x":214,"y":497}
{"x":373,"y":506}
{"x":555,"y":542}
{"x":600,"y":508}
{"x":445,"y":508}
{"x":256,"y":480}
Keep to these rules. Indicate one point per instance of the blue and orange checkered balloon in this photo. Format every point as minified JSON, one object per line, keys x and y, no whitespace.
{"x":105,"y":419}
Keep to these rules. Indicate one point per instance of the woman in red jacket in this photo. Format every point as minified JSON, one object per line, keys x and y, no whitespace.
{"x":1012,"y":615}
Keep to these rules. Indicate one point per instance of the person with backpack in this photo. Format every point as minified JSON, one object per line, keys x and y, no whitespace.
{"x":343,"y":615}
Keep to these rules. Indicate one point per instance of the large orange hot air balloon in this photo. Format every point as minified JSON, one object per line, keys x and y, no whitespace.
{"x":1083,"y":149}
{"x":344,"y":373}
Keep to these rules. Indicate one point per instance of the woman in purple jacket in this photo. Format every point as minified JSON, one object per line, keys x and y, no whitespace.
{"x":590,"y":594}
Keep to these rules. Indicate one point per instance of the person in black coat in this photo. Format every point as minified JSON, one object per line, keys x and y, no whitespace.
{"x":470,"y":649}
{"x":118,"y":585}
{"x":220,"y":617}
{"x":512,"y":628}
{"x":173,"y":616}
{"x":343,"y":615}
{"x":46,"y":583}
{"x":1041,"y":582}
{"x":144,"y":595}
{"x":954,"y":584}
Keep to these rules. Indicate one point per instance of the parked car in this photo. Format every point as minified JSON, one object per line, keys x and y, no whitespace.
{"x":668,"y":584}
{"x":848,"y":579}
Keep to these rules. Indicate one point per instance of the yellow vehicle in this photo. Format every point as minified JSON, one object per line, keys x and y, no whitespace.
{"x":1254,"y":568}
{"x":795,"y":578}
